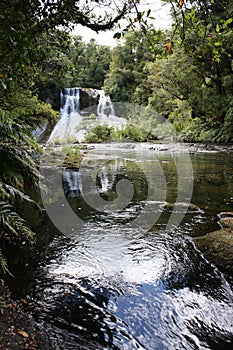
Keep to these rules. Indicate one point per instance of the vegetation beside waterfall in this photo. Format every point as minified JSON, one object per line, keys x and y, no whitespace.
{"x":149,"y":67}
{"x":185,"y":75}
{"x":155,"y":70}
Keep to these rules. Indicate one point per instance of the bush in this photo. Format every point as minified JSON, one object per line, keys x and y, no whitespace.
{"x":134,"y":132}
{"x":131,"y":132}
{"x":99,"y":133}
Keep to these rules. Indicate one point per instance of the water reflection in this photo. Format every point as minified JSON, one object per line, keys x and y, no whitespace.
{"x":129,"y":291}
{"x":71,"y":183}
{"x":117,"y":287}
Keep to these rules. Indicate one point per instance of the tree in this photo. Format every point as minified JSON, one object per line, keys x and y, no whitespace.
{"x":90,"y":63}
{"x":23,"y":26}
{"x":19,"y":34}
{"x":127,"y":66}
{"x":206,"y":29}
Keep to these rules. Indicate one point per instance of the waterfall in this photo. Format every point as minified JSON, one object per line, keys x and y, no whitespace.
{"x":105,"y":106}
{"x":106,"y":112}
{"x":75,"y":120}
{"x":66,"y":128}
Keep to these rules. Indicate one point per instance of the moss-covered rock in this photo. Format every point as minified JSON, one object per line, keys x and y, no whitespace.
{"x":226,"y":223}
{"x":218,"y":248}
{"x":226,"y":219}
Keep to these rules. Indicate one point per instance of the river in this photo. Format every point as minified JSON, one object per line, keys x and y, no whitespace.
{"x":115,"y":281}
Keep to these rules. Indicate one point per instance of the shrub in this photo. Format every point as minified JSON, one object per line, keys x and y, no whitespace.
{"x":99,"y":133}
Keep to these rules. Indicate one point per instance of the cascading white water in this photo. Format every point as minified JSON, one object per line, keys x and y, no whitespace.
{"x":73,"y":125}
{"x":66,"y":128}
{"x":106,"y":113}
{"x":105,"y":106}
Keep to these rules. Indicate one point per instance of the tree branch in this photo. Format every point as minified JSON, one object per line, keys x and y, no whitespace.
{"x":68,"y":13}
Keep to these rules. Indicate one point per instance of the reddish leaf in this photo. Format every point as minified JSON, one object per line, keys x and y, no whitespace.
{"x":23,"y":333}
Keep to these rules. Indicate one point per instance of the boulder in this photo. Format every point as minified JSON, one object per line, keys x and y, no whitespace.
{"x":88,"y":97}
{"x":226,"y":222}
{"x":217,"y":247}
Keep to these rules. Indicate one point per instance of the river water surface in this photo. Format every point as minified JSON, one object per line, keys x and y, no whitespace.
{"x":112,"y":284}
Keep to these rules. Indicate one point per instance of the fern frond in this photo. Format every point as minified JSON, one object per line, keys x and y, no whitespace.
{"x":12,"y":221}
{"x":17,"y":161}
{"x":10,"y":193}
{"x":3,"y":269}
{"x":4,"y":194}
{"x":12,"y":131}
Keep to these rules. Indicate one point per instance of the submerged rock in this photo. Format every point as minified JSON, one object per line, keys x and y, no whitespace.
{"x":182,"y":207}
{"x":226,"y":219}
{"x":225,"y":214}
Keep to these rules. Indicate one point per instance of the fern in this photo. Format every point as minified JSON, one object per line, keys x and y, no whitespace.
{"x":19,"y":113}
{"x":10,"y":193}
{"x":12,"y":221}
{"x":13,"y":228}
{"x":17,"y":160}
{"x":12,"y":131}
{"x":18,"y":172}
{"x":4,"y":270}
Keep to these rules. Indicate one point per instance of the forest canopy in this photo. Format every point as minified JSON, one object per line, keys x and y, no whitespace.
{"x":185,"y":74}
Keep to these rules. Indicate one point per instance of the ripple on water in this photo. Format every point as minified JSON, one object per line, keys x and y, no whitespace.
{"x":113,"y":287}
{"x":120,"y":289}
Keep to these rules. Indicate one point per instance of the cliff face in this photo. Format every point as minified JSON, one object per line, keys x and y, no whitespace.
{"x":88,"y":97}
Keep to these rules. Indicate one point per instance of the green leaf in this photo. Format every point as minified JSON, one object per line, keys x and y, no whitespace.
{"x":117,"y":35}
{"x":148,"y":13}
{"x":229,"y":21}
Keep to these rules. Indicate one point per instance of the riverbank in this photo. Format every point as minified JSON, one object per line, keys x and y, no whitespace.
{"x":18,"y":330}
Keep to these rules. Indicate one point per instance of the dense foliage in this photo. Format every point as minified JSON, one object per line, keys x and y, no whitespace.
{"x":186,"y":75}
{"x":67,"y":61}
{"x":36,"y":52}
